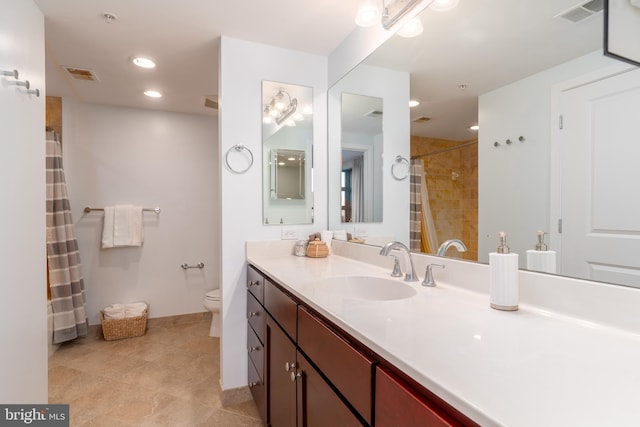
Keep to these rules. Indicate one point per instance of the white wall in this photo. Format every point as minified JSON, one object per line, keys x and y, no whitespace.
{"x":514,"y":181}
{"x":243,"y":66}
{"x":115,"y":155}
{"x":23,"y":305}
{"x":393,"y":87}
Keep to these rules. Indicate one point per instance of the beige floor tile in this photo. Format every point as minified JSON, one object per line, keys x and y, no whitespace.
{"x":168,"y":377}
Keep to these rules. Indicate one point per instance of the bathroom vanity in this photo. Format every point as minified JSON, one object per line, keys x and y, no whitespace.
{"x":323,"y":353}
{"x":305,"y":370}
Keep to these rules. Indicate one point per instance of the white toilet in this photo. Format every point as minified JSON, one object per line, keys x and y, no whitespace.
{"x":212,"y":303}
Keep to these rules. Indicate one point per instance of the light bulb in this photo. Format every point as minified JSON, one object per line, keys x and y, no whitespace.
{"x":153,"y":93}
{"x":368,"y":13}
{"x":443,"y":5}
{"x":412,"y":28}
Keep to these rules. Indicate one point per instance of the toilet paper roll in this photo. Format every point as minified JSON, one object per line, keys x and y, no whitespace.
{"x":544,"y":261}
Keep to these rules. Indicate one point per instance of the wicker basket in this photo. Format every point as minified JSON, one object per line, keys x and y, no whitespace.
{"x":129,"y":327}
{"x":317,"y":249}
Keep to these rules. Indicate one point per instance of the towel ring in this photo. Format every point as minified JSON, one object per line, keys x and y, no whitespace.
{"x":400,"y":161}
{"x":239,"y":148}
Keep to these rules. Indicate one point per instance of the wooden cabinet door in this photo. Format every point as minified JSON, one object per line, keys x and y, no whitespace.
{"x":398,"y":405}
{"x":318,"y":404}
{"x":281,"y":352}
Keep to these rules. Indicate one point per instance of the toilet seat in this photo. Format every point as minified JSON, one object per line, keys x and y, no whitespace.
{"x":213,"y":295}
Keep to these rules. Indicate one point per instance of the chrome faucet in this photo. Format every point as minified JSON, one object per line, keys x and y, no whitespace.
{"x":410,"y":276}
{"x":456,"y":243}
{"x":428,"y":275}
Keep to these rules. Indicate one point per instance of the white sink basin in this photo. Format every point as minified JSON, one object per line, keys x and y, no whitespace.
{"x":368,"y":288}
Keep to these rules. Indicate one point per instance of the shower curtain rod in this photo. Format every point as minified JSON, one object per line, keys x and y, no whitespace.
{"x":444,"y":150}
{"x":156,"y":209}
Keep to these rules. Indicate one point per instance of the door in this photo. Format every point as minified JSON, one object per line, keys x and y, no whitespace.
{"x":281,"y":359}
{"x":600,"y":176}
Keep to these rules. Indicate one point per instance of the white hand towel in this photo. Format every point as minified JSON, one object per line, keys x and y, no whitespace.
{"x":115,"y":311}
{"x":135,"y":309}
{"x":107,"y":227}
{"x":127,"y":226}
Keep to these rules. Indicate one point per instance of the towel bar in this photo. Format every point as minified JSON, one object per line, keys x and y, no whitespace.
{"x":186,"y":266}
{"x":88,"y":209}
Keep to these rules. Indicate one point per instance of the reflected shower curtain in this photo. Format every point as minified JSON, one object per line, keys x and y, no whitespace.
{"x":357,"y":191}
{"x":423,"y":235}
{"x":63,"y":259}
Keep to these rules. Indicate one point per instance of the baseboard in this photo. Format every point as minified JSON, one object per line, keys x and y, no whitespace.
{"x":235,"y":396}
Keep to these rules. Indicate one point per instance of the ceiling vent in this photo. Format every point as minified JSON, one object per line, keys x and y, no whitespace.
{"x":582,"y":11}
{"x":421,"y":119}
{"x":210,"y":101}
{"x":81,"y":73}
{"x":373,"y":113}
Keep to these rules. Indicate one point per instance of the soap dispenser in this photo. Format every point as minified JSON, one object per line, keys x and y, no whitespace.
{"x":504,"y":286}
{"x":541,"y":258}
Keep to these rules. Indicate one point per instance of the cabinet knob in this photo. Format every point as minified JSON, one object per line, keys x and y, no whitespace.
{"x":295,"y":375}
{"x":253,"y":384}
{"x":252,"y":349}
{"x":253,"y":283}
{"x":289,"y":366}
{"x":253,"y":314}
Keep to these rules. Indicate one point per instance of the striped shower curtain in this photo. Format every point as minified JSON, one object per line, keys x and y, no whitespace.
{"x":423,"y":236}
{"x":63,"y":259}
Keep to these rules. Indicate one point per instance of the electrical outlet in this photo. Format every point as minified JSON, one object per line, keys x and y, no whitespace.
{"x":289,"y":234}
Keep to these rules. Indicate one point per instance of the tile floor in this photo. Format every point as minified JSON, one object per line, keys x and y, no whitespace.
{"x":168,"y":377}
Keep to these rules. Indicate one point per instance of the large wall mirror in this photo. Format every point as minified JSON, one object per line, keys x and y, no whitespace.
{"x":287,"y":146}
{"x":513,"y":73}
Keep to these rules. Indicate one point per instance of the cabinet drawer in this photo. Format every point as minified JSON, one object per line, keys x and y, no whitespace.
{"x":258,"y":389}
{"x":398,"y":404}
{"x":349,"y":370}
{"x":281,"y":307}
{"x":255,"y":316}
{"x":255,"y":283}
{"x":255,"y":350}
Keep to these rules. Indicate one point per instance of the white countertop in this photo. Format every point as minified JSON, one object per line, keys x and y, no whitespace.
{"x":524,"y":368}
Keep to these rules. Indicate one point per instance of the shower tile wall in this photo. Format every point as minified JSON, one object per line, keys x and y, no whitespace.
{"x":452,"y":180}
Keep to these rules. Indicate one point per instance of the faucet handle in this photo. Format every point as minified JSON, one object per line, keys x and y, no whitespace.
{"x":397,"y":272}
{"x":428,"y":276}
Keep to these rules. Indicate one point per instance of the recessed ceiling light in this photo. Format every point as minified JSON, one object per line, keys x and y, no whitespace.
{"x":413,"y":103}
{"x":474,"y":127}
{"x":153,"y":94}
{"x":412,"y":28}
{"x":143,"y":61}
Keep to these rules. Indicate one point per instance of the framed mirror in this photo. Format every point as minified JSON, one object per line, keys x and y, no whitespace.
{"x":287,"y":174}
{"x":287,"y":147}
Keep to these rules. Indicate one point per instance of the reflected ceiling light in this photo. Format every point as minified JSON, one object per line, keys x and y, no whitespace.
{"x":368,"y":13}
{"x":412,"y":28}
{"x":413,"y":103}
{"x":307,"y":109}
{"x":143,"y":61}
{"x":474,"y":127}
{"x":281,"y":107}
{"x":153,"y":94}
{"x":298,"y":117}
{"x":443,"y":5}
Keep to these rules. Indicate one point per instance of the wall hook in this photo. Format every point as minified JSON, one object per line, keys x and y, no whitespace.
{"x":13,"y":73}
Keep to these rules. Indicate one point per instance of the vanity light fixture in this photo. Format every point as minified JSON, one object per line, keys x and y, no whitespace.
{"x":281,"y":108}
{"x":153,"y":94}
{"x":474,"y":127}
{"x":413,"y":103}
{"x":143,"y":61}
